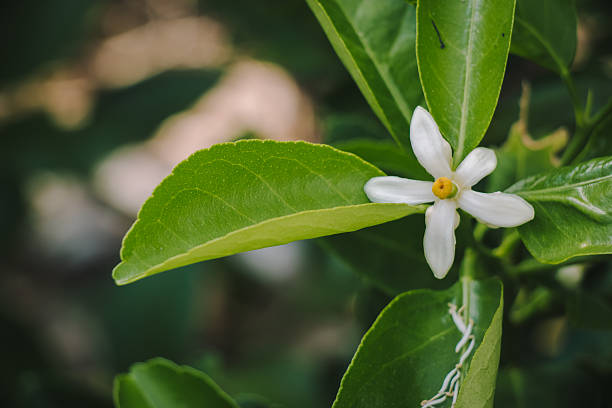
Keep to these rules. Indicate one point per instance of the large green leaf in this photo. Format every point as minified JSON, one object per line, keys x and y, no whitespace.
{"x":545,"y":32}
{"x":406,"y":354}
{"x":251,"y":194}
{"x":573,"y":211}
{"x":375,"y":39}
{"x":462,"y":48}
{"x":161,"y":383}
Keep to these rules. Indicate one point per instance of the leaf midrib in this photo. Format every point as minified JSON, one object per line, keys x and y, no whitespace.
{"x":542,"y":192}
{"x":466,"y":88}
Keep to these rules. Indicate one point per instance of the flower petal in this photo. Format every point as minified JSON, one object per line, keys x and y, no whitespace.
{"x":439,"y":240}
{"x":476,"y":165}
{"x":496,"y":209}
{"x":393,"y":189}
{"x":431,"y":150}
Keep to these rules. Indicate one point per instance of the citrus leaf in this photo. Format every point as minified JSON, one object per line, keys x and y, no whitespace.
{"x":404,"y":357}
{"x":462,"y":48}
{"x":545,"y":32}
{"x":573,"y":211}
{"x":375,"y":39}
{"x":251,"y":194}
{"x":161,"y":383}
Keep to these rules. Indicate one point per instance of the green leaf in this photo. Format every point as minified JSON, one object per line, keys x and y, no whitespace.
{"x":161,"y":383}
{"x":573,"y":211}
{"x":251,"y":194}
{"x":545,"y":32}
{"x":462,"y":48}
{"x":406,"y":354}
{"x":386,"y":156}
{"x":375,"y":39}
{"x":389,"y":256}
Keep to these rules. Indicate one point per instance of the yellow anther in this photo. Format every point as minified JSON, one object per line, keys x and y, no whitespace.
{"x":444,"y":188}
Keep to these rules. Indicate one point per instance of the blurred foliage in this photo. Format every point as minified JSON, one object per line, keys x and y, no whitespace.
{"x":265,"y":342}
{"x":37,"y":33}
{"x":122,"y":116}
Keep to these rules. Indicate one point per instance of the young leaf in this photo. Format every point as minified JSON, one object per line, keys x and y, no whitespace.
{"x":251,"y":194}
{"x":462,"y":48}
{"x":406,"y":354}
{"x":375,"y":39}
{"x":161,"y":383}
{"x":545,"y":32}
{"x":573,"y":211}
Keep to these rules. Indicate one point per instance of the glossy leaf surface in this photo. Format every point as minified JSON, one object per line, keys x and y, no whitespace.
{"x":375,"y":39}
{"x":462,"y":48}
{"x":573,"y":211}
{"x":237,"y":197}
{"x":406,"y":354}
{"x":545,"y":32}
{"x":161,"y":383}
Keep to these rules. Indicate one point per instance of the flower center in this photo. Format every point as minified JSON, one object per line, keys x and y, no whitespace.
{"x":444,"y":188}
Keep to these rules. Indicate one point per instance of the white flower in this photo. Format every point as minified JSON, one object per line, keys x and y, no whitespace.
{"x":451,"y":189}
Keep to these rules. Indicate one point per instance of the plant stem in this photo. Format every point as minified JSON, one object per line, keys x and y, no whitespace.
{"x":479,"y":231}
{"x":504,"y":250}
{"x":468,"y":265}
{"x":585,"y":125}
{"x":576,"y":103}
{"x":529,"y":266}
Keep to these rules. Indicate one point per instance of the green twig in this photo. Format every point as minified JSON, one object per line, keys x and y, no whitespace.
{"x":506,"y":248}
{"x":585,"y":124}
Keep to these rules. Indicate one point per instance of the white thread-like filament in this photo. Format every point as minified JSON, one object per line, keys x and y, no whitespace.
{"x":456,"y":318}
{"x":455,"y":394}
{"x":450,"y":385}
{"x":465,"y":337}
{"x":468,"y":351}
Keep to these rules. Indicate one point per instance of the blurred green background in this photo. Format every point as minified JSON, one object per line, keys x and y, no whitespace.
{"x":99,"y":99}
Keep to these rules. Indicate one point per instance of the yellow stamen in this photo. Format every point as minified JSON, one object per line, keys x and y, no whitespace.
{"x":444,"y":188}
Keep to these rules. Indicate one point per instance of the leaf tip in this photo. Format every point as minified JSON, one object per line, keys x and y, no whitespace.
{"x":122,"y":275}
